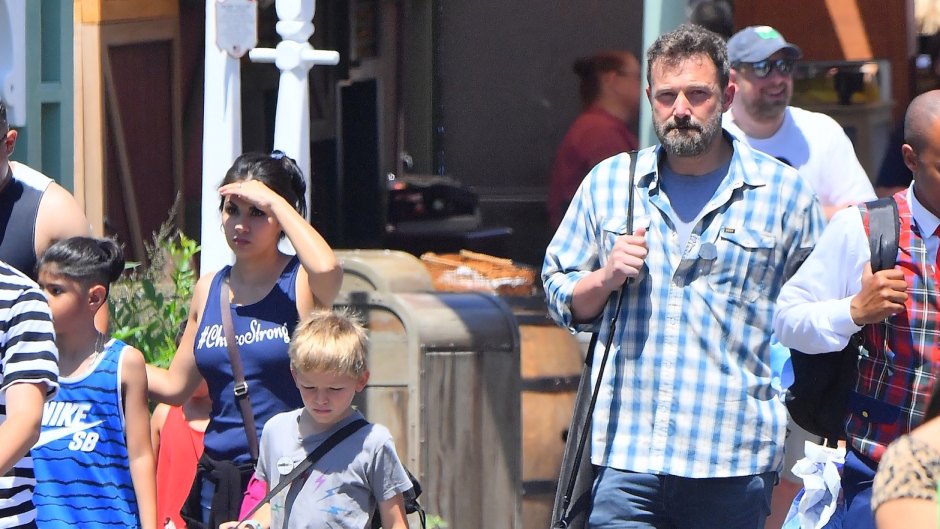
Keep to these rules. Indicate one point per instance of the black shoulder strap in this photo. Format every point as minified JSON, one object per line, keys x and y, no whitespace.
{"x":338,"y":437}
{"x":563,"y":511}
{"x":883,"y":228}
{"x":631,"y":186}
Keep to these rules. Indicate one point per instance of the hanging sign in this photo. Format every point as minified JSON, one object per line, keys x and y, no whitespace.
{"x":236,"y":26}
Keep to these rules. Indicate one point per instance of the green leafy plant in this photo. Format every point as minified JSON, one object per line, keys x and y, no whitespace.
{"x":150,"y":303}
{"x":436,"y":522}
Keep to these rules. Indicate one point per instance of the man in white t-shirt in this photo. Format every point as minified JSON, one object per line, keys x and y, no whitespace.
{"x":762,"y":63}
{"x":815,"y":144}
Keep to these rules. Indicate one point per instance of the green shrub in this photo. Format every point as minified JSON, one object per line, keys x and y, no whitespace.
{"x":436,"y":522}
{"x":149,"y":304}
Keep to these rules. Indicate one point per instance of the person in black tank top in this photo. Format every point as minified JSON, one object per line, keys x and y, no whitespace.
{"x":34,"y":211}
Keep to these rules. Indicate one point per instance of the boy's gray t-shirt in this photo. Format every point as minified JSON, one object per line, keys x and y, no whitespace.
{"x":344,"y":486}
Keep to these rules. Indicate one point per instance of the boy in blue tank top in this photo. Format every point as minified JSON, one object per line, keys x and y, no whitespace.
{"x":360,"y":474}
{"x":94,"y":462}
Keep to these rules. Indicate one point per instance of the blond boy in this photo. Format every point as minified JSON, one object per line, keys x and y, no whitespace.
{"x":342,"y":489}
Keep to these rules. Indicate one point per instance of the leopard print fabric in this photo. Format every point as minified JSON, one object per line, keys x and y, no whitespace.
{"x":908,"y":469}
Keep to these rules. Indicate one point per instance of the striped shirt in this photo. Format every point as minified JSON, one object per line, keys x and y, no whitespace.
{"x":687,"y":390}
{"x":28,"y":355}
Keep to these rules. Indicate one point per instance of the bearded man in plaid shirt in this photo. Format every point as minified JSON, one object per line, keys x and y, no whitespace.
{"x":835,"y":295}
{"x":688,"y":431}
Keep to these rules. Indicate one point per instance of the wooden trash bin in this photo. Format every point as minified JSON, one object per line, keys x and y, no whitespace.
{"x":550,"y":369}
{"x":382,"y":270}
{"x":445,"y":381}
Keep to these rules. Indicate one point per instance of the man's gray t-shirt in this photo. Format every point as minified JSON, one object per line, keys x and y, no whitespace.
{"x":344,"y":487}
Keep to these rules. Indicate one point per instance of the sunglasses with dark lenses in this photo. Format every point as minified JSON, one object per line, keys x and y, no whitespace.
{"x":763,"y":68}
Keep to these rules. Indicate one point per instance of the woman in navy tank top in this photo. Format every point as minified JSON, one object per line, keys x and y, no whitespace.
{"x":262,"y":201}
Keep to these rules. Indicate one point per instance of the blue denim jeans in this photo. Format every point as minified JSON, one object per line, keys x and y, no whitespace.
{"x":205,"y":499}
{"x":631,"y":500}
{"x":858,"y":473}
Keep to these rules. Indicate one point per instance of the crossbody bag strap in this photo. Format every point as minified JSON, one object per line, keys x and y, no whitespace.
{"x":238,"y":373}
{"x":563,"y":511}
{"x":338,"y":437}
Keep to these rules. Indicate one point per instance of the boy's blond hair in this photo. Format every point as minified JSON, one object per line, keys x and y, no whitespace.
{"x":329,"y":342}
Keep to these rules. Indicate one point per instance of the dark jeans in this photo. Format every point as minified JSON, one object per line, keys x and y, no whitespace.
{"x":631,"y":500}
{"x":857,"y":476}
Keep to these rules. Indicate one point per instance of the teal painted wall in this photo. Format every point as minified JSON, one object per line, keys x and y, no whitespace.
{"x":659,"y":16}
{"x":46,"y":142}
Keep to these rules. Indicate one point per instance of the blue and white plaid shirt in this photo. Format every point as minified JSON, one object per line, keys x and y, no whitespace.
{"x":687,"y":390}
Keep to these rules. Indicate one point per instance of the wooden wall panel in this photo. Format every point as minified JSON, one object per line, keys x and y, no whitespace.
{"x":104,"y":11}
{"x":888,"y":27}
{"x":130,"y":140}
{"x":140,"y":186}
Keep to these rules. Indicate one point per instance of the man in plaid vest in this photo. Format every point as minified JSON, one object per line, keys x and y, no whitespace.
{"x":835,"y":295}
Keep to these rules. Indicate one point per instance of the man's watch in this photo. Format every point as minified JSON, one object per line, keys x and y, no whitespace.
{"x":251,"y":524}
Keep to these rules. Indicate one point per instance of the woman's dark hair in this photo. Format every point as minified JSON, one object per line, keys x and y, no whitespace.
{"x":590,"y":70}
{"x":276,"y":170}
{"x":86,"y":260}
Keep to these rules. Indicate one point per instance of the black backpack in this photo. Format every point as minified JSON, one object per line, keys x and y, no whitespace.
{"x":411,"y":504}
{"x":818,"y":398}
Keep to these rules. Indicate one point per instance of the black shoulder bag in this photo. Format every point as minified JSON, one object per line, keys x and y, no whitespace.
{"x":573,"y":497}
{"x":818,"y":398}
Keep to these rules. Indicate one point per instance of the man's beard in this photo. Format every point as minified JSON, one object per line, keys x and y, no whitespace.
{"x":687,"y":137}
{"x":764,"y":109}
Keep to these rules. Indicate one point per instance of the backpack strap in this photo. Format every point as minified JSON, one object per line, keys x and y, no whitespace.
{"x":883,"y":227}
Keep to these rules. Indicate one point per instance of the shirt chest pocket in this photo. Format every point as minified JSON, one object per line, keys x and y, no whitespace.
{"x":740,"y":268}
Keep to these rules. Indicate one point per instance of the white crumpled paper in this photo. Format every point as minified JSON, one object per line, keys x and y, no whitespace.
{"x":819,"y":500}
